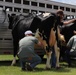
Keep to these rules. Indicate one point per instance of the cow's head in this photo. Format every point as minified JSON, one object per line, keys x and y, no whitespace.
{"x":11,"y":20}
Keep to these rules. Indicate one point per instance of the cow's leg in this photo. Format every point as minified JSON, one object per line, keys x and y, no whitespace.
{"x":52,"y":40}
{"x":15,"y":44}
{"x":57,"y":52}
{"x":57,"y":57}
{"x":48,"y":55}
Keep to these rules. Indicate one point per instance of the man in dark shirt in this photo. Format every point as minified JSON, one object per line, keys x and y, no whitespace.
{"x":60,"y":22}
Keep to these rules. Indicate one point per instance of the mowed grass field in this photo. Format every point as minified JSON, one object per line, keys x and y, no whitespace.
{"x":7,"y":69}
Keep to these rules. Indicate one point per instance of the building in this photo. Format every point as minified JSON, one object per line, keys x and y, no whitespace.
{"x":24,"y":7}
{"x":28,"y":6}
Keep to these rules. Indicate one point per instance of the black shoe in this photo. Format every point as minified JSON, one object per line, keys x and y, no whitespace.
{"x":29,"y":68}
{"x":69,"y":65}
{"x":23,"y":69}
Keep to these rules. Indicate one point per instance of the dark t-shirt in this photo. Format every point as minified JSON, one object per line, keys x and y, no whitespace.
{"x":61,"y":23}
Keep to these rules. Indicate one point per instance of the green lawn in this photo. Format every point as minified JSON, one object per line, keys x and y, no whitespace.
{"x":6,"y":69}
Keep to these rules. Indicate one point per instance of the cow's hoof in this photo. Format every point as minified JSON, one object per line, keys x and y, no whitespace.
{"x":13,"y":64}
{"x":58,"y":68}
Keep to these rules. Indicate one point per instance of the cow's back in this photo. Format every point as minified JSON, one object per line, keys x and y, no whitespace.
{"x":67,"y":31}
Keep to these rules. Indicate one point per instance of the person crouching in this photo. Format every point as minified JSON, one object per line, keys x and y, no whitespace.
{"x":28,"y":58}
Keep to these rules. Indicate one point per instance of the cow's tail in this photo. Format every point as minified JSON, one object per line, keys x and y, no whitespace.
{"x":14,"y":61}
{"x":37,"y":33}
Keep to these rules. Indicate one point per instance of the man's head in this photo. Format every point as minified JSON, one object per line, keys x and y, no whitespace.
{"x":28,"y":32}
{"x":60,"y":13}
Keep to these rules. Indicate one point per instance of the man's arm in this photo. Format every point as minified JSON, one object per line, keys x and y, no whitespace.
{"x":69,"y":21}
{"x":39,"y":43}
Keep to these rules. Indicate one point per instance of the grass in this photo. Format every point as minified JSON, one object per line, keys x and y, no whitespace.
{"x":6,"y":69}
{"x":6,"y":57}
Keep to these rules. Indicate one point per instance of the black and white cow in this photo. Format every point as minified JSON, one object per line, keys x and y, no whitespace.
{"x":68,"y":31}
{"x":42,"y":24}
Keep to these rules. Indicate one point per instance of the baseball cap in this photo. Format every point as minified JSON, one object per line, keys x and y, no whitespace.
{"x":29,"y":32}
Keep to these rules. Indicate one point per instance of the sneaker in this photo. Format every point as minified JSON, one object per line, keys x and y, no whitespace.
{"x":29,"y":68}
{"x":23,"y":69}
{"x":69,"y":65}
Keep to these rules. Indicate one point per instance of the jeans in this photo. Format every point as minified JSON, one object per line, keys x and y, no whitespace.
{"x":53,"y":59}
{"x":33,"y":62}
{"x":68,"y":59}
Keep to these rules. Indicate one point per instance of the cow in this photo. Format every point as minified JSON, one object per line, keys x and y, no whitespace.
{"x":68,"y":31}
{"x":42,"y":25}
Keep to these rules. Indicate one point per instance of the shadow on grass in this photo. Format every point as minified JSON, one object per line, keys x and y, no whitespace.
{"x":8,"y":63}
{"x":73,"y":64}
{"x":5,"y":63}
{"x":41,"y":68}
{"x":63,"y":69}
